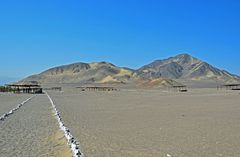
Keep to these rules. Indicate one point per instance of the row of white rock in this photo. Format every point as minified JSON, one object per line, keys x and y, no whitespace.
{"x":73,"y":144}
{"x":6,"y":115}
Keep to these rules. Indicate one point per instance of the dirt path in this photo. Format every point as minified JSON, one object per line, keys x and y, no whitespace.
{"x":32,"y":132}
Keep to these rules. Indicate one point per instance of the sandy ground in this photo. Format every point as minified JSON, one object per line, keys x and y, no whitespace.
{"x":9,"y":101}
{"x":32,"y":131}
{"x":148,"y":123}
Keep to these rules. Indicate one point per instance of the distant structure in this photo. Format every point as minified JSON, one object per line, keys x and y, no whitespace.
{"x":24,"y":88}
{"x":54,"y":88}
{"x":97,"y":88}
{"x":235,"y":86}
{"x":180,"y":88}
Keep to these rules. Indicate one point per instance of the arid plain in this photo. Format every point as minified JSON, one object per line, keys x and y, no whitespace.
{"x":126,"y":123}
{"x":152,"y":123}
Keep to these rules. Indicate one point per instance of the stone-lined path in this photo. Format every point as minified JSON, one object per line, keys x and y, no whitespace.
{"x":32,"y":131}
{"x":9,"y":101}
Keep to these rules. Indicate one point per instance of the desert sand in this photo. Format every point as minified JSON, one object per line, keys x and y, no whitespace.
{"x":124,"y":123}
{"x":9,"y":101}
{"x":32,"y":131}
{"x":153,"y":123}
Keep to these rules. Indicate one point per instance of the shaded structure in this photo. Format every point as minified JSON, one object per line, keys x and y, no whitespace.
{"x":97,"y":88}
{"x":25,"y":88}
{"x":54,"y":88}
{"x":180,"y":88}
{"x":234,"y":86}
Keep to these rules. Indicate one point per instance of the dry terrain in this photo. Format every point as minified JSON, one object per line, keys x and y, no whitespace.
{"x":151,"y":123}
{"x":32,"y":131}
{"x":8,"y":101}
{"x":125,"y":123}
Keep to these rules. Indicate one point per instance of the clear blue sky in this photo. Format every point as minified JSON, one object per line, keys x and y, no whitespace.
{"x":38,"y":34}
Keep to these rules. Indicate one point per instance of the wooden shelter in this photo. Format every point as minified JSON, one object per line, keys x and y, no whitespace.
{"x":180,"y":88}
{"x":234,"y":86}
{"x":54,"y":88}
{"x":25,"y":88}
{"x":97,"y":88}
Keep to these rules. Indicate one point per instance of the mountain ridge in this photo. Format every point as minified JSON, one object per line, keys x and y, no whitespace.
{"x":179,"y":67}
{"x":184,"y":66}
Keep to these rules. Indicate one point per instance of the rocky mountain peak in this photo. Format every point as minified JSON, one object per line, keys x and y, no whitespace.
{"x":185,"y":59}
{"x":183,"y":66}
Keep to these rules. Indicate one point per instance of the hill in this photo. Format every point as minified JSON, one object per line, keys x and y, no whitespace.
{"x":185,"y":67}
{"x":182,"y":68}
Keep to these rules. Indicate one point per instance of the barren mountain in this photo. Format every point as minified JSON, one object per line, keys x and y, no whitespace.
{"x":181,"y":68}
{"x":101,"y":72}
{"x":185,"y":67}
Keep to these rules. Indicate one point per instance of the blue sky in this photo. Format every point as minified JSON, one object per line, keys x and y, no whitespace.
{"x":38,"y":34}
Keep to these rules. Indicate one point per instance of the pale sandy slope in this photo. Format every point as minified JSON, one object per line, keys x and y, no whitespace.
{"x":153,"y":123}
{"x":32,"y":131}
